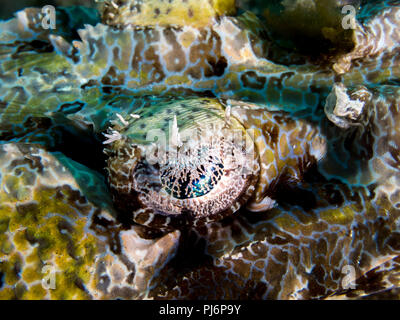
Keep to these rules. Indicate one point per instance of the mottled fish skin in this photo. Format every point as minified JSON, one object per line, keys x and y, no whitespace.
{"x":225,"y":59}
{"x":337,"y":217}
{"x":278,"y":150}
{"x":343,"y":212}
{"x":164,"y":13}
{"x":299,"y":250}
{"x":376,"y":37}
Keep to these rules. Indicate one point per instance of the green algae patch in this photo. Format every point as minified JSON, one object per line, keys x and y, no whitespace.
{"x":32,"y":273}
{"x":287,"y":222}
{"x":343,"y":215}
{"x":4,"y":221}
{"x":50,"y":228}
{"x":5,"y":245}
{"x":54,"y":235}
{"x":35,"y":292}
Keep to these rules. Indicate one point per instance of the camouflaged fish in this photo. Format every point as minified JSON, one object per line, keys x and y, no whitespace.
{"x":229,"y":174}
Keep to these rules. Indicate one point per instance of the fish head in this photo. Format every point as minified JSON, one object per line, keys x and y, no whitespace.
{"x":181,"y":163}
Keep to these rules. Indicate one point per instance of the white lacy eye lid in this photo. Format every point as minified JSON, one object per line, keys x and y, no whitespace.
{"x":234,"y":147}
{"x":229,"y":155}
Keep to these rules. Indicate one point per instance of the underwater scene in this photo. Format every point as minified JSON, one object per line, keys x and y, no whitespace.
{"x":199,"y":149}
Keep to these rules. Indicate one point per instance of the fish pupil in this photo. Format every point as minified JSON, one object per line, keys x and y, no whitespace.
{"x":188,"y":183}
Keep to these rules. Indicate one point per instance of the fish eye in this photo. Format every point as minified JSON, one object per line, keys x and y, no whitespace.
{"x":205,"y":179}
{"x":192,"y":180}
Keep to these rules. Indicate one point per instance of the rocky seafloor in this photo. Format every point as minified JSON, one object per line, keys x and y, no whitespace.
{"x":122,"y":174}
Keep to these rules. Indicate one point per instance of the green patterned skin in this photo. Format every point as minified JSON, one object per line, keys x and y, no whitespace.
{"x":319,"y":192}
